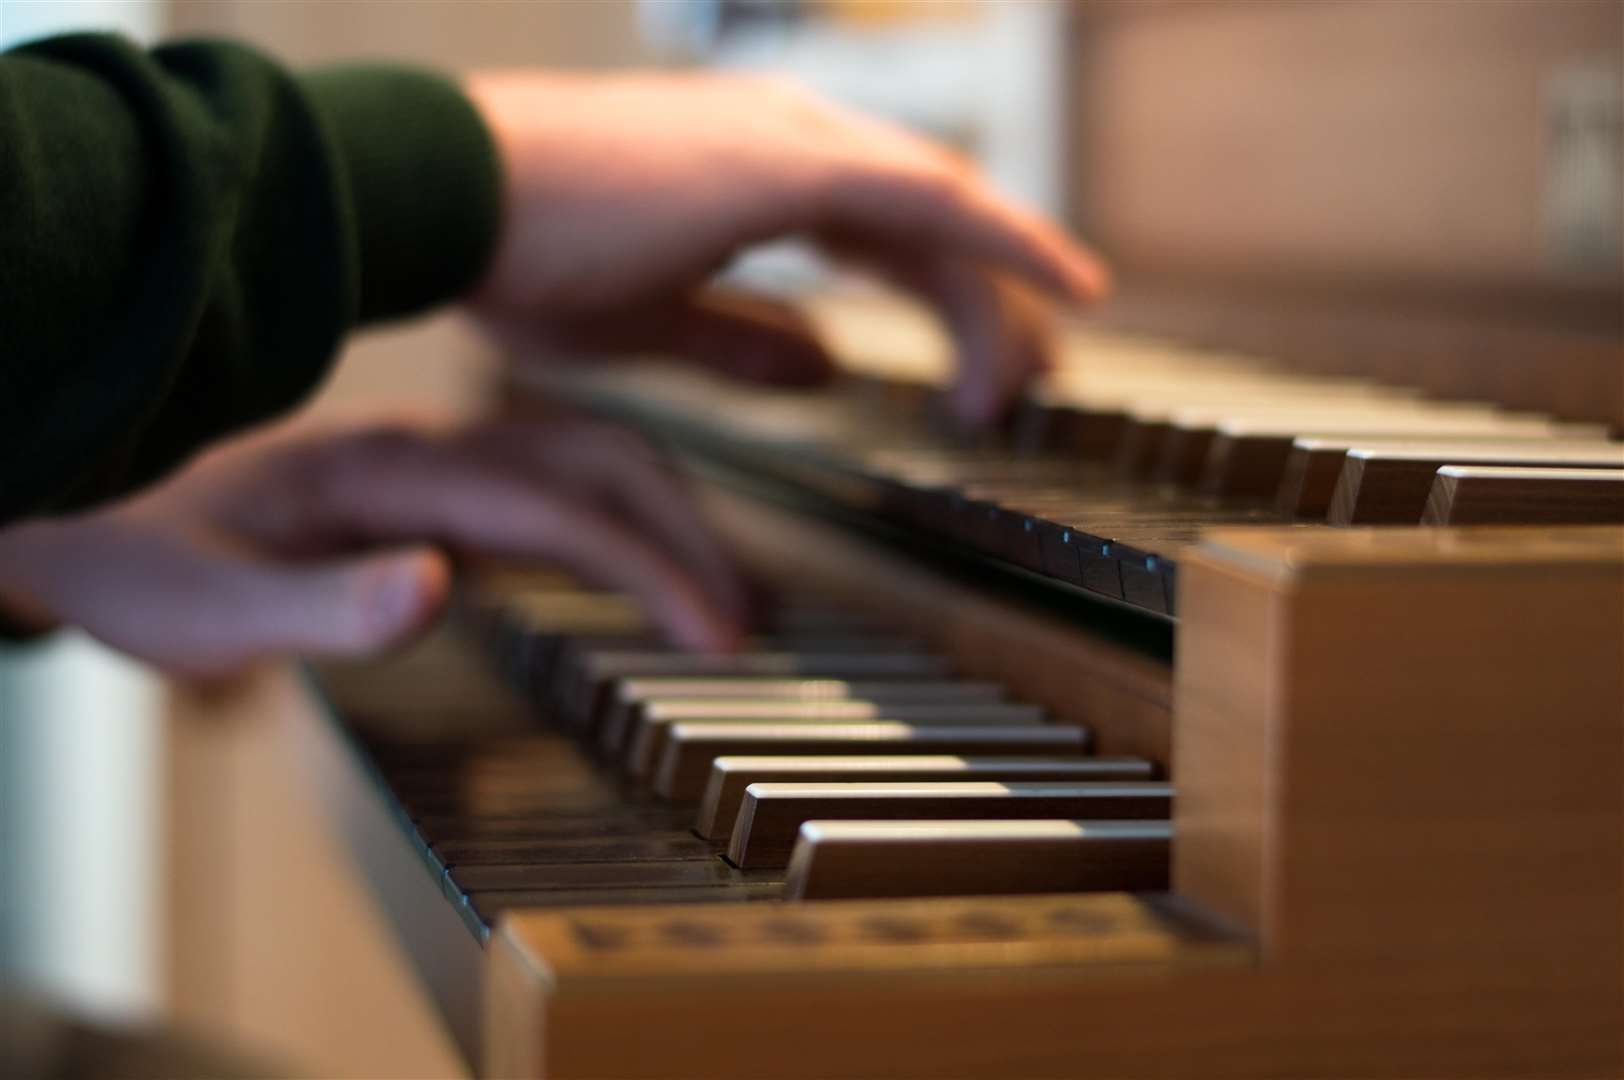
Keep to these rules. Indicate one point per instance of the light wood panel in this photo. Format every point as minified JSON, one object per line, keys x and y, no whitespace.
{"x":276,"y":945}
{"x":1418,"y":755}
{"x":1343,"y":138}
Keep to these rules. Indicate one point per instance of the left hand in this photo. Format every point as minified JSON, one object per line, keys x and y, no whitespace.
{"x":293,"y":540}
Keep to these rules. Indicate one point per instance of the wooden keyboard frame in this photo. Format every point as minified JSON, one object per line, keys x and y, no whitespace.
{"x":1401,"y":778}
{"x":1399,"y":845}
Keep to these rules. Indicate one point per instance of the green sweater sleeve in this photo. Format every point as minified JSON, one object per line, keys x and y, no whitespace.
{"x":187,"y":234}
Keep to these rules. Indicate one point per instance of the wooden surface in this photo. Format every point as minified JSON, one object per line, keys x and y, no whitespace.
{"x":880,"y":988}
{"x":277,"y":942}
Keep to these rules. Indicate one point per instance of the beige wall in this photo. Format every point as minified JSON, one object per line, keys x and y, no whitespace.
{"x":455,"y":34}
{"x":1356,"y":137}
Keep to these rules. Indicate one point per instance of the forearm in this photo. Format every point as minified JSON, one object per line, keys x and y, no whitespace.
{"x":189,"y":233}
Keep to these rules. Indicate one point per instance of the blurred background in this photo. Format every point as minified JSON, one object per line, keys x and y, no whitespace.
{"x":161,"y":856}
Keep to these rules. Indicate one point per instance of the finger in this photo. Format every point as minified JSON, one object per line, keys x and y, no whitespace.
{"x":196,"y":608}
{"x":346,"y":607}
{"x":1001,"y":332}
{"x":1001,"y":337}
{"x":393,"y":485}
{"x":624,"y":476}
{"x":942,"y":209}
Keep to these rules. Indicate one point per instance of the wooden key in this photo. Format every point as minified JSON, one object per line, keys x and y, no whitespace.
{"x":1499,"y":495}
{"x":872,"y":859}
{"x":770,"y":817}
{"x":1151,"y":436}
{"x":1390,"y":486}
{"x":648,"y":737}
{"x":1247,"y":459}
{"x":731,"y":775}
{"x":692,"y":748}
{"x":1308,"y":482}
{"x":1192,"y":432}
{"x":640,"y":740}
{"x":584,"y":688}
{"x":627,"y":665}
{"x":631,"y":695}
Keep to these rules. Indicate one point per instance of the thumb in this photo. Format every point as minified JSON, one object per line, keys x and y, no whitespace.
{"x":196,"y":607}
{"x":345,"y":607}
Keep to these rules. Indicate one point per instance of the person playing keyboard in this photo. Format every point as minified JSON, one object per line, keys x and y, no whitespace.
{"x":188,"y":234}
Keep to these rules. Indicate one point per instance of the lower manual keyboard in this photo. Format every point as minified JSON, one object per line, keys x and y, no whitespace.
{"x":624,"y":772}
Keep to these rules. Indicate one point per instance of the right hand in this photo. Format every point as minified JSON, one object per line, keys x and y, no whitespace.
{"x":624,"y":194}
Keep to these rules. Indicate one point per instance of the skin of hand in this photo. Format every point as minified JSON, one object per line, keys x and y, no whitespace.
{"x":332,"y":541}
{"x":625,"y":193}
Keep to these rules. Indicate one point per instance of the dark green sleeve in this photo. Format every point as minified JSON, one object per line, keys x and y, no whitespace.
{"x":187,"y":234}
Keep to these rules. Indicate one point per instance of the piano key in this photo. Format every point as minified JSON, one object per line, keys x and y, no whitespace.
{"x":1390,"y":486}
{"x":631,"y":695}
{"x":1192,"y":431}
{"x":593,"y":675}
{"x":731,"y":775}
{"x":648,"y":737}
{"x":770,"y":816}
{"x":872,"y":859}
{"x":1248,"y":459}
{"x":1308,"y":482}
{"x":692,"y":748}
{"x":1068,"y":429}
{"x":1153,"y":420}
{"x":1489,"y":495}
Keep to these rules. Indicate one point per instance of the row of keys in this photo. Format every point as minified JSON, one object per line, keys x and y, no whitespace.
{"x":1123,"y":455}
{"x":726,"y":777}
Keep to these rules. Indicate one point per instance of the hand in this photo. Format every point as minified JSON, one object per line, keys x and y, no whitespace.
{"x":294,"y":540}
{"x":625,"y":193}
